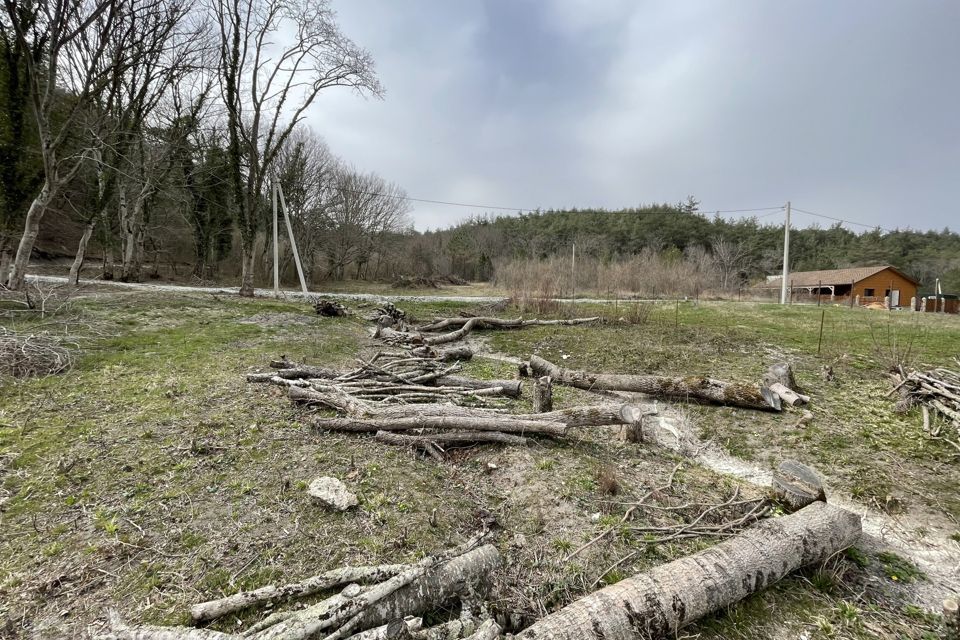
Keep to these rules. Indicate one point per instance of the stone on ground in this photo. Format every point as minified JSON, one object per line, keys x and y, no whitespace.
{"x":332,"y":493}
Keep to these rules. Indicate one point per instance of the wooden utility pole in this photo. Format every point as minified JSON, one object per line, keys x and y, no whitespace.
{"x":786,"y":257}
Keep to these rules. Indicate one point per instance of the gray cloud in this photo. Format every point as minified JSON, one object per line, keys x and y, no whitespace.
{"x":846,"y":108}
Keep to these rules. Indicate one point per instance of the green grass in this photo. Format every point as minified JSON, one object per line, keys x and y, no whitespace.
{"x":151,"y":475}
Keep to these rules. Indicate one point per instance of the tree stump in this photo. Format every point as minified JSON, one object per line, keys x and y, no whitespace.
{"x":951,"y":619}
{"x":781,"y":372}
{"x":796,"y":485}
{"x":543,"y":395}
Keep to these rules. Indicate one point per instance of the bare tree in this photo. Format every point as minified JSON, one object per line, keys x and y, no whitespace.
{"x":65,"y":82}
{"x":368,"y":212}
{"x":276,"y":56}
{"x":729,"y":257}
{"x":307,"y":171}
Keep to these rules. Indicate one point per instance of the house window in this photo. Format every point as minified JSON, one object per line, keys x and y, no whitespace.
{"x":868,"y":293}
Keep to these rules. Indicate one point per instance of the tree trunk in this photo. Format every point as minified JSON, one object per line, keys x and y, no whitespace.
{"x":450,"y":438}
{"x":246,"y":269}
{"x":658,"y":603}
{"x":31,"y":227}
{"x":697,"y":387}
{"x":542,"y":395}
{"x":74,"y":277}
{"x":5,"y":258}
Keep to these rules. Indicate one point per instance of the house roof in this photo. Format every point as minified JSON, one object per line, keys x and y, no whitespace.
{"x":834,"y":276}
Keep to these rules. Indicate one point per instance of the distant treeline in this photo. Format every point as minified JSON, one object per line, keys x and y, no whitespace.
{"x":743,"y":250}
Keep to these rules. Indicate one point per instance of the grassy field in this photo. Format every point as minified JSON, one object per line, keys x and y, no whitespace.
{"x":151,"y":476}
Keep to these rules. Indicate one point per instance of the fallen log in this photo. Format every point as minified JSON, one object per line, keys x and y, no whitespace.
{"x":482,"y":322}
{"x":450,"y":437}
{"x":656,"y":604}
{"x":213,"y":609}
{"x":506,"y":424}
{"x":443,"y":355}
{"x":789,"y":396}
{"x":697,"y":387}
{"x":511,"y":388}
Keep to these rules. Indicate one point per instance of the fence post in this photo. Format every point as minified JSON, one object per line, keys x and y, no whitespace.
{"x":819,"y":284}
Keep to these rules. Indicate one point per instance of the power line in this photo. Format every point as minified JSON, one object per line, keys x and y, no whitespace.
{"x":528,"y":209}
{"x":861,"y":224}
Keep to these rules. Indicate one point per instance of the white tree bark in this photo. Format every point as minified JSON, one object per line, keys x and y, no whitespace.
{"x":658,"y":603}
{"x":74,"y":277}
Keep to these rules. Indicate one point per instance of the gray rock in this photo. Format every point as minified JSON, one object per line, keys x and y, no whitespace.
{"x":332,"y":494}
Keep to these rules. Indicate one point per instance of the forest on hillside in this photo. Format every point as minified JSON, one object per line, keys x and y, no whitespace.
{"x":142,"y":138}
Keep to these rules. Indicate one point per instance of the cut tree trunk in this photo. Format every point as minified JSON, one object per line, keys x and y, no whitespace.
{"x":781,"y":372}
{"x":788,"y":396}
{"x":450,"y":437}
{"x":465,"y":574}
{"x":445,"y":355}
{"x":695,"y":387}
{"x":213,"y":609}
{"x":543,"y":395}
{"x":656,"y":604}
{"x":511,"y":388}
{"x":506,"y":424}
{"x":796,"y":485}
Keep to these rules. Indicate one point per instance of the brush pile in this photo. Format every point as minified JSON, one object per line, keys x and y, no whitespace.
{"x":32,"y":355}
{"x":394,"y":378}
{"x":936,"y":390}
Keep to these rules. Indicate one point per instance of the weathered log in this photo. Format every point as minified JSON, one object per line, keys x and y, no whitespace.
{"x":488,"y":630}
{"x":500,"y":323}
{"x":787,"y":395}
{"x":450,"y":437}
{"x":410,"y":625}
{"x":656,"y":604}
{"x":542,"y":395}
{"x":696,"y":387}
{"x":511,"y":388}
{"x":444,"y":355}
{"x":213,"y":609}
{"x":504,"y":424}
{"x":120,"y":630}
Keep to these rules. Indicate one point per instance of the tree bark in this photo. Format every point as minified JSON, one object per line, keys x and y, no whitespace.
{"x":697,"y":387}
{"x":74,"y":277}
{"x":511,"y":388}
{"x":246,"y":269}
{"x":468,"y":573}
{"x":658,"y":603}
{"x":543,"y":395}
{"x":31,"y":227}
{"x":213,"y":609}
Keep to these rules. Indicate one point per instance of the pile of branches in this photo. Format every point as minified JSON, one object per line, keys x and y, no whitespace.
{"x":417,"y":376}
{"x":446,"y":330}
{"x":375,"y":602}
{"x":936,"y":390}
{"x":32,"y":355}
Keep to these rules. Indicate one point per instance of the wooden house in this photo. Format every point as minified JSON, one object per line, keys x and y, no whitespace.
{"x":881,"y":284}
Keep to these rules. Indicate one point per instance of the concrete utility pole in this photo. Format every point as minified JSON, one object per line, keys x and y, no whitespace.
{"x":786,"y":257}
{"x":573,"y":274}
{"x":276,"y":246}
{"x":293,"y":241}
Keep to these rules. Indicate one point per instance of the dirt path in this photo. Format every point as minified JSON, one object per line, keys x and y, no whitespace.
{"x":920,"y":535}
{"x":299,"y":295}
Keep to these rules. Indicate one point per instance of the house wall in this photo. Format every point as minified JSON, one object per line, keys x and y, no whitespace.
{"x":880,"y":283}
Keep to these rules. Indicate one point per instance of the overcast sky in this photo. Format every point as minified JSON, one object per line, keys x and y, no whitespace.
{"x":847,"y":108}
